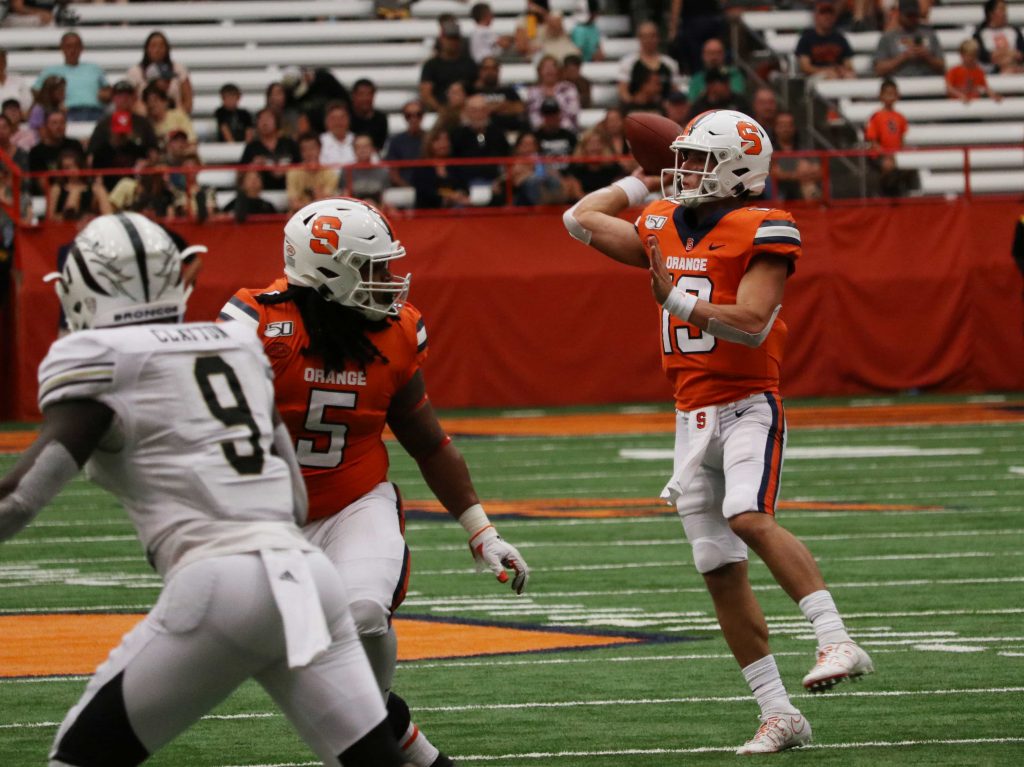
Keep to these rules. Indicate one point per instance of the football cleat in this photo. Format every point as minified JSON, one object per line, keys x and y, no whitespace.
{"x":836,"y":662}
{"x":442,"y":761}
{"x":777,"y":733}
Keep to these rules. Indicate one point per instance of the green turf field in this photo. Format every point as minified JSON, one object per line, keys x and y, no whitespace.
{"x":936,"y":594}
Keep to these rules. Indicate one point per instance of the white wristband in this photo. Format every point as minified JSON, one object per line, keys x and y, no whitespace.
{"x":474,"y":519}
{"x":680,"y":304}
{"x":635,"y":189}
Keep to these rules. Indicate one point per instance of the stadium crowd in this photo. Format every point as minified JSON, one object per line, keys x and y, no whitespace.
{"x":318,"y":136}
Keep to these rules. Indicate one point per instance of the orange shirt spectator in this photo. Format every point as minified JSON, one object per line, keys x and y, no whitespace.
{"x":967,"y":80}
{"x":886,"y":129}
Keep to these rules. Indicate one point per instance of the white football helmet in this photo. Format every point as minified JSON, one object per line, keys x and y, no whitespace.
{"x":122,"y":269}
{"x":742,"y":155}
{"x":342,"y":248}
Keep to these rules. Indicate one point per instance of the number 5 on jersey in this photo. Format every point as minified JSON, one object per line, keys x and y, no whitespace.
{"x":305,"y":449}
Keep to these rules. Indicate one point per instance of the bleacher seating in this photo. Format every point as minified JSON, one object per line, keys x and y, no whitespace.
{"x":935,"y":120}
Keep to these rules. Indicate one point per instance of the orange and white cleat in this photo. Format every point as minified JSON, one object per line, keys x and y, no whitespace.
{"x":777,"y":733}
{"x":837,"y":662}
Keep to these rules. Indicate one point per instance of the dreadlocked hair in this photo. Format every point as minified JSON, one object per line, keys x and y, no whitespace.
{"x":337,"y":334}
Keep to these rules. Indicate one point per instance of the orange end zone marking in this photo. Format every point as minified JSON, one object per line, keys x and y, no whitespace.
{"x":596,"y":508}
{"x":61,"y":644}
{"x":16,"y":441}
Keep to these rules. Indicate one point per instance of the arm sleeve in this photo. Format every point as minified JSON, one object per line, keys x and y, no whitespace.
{"x":243,"y":308}
{"x":78,"y":366}
{"x":776,"y":235}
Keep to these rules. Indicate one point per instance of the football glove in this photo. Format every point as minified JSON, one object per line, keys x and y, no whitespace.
{"x":491,"y":552}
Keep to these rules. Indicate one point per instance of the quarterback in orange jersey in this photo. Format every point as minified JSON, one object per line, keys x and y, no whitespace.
{"x":718,"y":267}
{"x":346,"y":350}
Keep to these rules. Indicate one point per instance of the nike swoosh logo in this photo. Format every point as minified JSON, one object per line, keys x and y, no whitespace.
{"x":716,"y":247}
{"x":739,"y":413}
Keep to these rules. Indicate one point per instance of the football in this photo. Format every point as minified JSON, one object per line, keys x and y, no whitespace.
{"x":649,"y":136}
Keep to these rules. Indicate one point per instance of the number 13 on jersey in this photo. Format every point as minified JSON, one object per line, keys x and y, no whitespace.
{"x":682,"y":340}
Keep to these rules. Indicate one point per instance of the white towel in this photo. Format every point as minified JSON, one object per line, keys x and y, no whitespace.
{"x":305,"y":627}
{"x":700,"y":431}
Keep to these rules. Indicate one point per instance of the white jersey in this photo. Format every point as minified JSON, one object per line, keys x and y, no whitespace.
{"x":189,"y":451}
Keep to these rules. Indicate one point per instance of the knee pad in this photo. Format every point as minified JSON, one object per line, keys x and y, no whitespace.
{"x":714,"y":544}
{"x":371,"y":617}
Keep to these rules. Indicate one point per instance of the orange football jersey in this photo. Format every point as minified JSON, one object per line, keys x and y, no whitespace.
{"x":336,"y":419}
{"x":709,"y":261}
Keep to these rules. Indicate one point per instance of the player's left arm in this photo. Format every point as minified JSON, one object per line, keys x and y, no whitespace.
{"x":414,"y":422}
{"x":749,"y":320}
{"x":70,"y":433}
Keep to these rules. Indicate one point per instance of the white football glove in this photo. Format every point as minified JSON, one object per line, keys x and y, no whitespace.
{"x":491,"y":552}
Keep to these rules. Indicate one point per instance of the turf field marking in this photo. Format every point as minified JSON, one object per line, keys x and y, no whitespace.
{"x":824,"y":453}
{"x":1017,"y":470}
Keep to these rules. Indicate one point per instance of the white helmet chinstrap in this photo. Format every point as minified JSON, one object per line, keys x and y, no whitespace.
{"x":122,"y":269}
{"x":737,"y":158}
{"x":342,"y":248}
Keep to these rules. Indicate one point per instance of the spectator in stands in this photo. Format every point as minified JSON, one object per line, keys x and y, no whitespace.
{"x":451,"y":64}
{"x":503,"y":101}
{"x":309,"y":91}
{"x":87,"y":88}
{"x":13,"y":86}
{"x":366,"y":119}
{"x":528,"y":25}
{"x":311,"y":182}
{"x":49,"y":98}
{"x":53,"y":140}
{"x":587,"y":174}
{"x":612,"y":125}
{"x":18,"y":155}
{"x":585,"y":34}
{"x":534,"y":182}
{"x":163,"y":117}
{"x":24,"y":137}
{"x":553,"y":40}
{"x":478,"y":136}
{"x":157,"y":65}
{"x":718,"y":95}
{"x":764,"y":108}
{"x":648,"y":97}
{"x":392,"y":9}
{"x":551,"y":87}
{"x":71,"y":197}
{"x":233,"y":123}
{"x":677,"y":108}
{"x":444,"y":21}
{"x":912,"y":49}
{"x":572,"y":72}
{"x":554,"y":139}
{"x":484,"y":42}
{"x":189,"y":198}
{"x":287,"y":116}
{"x":713,"y":58}
{"x":793,"y":178}
{"x":691,"y":24}
{"x":25,"y":13}
{"x":365,"y":183}
{"x":336,"y":142}
{"x":269,"y":147}
{"x":967,"y":80}
{"x":249,"y":200}
{"x":885,"y":130}
{"x":135,"y":130}
{"x":823,"y":51}
{"x":149,"y":192}
{"x":439,"y":185}
{"x":633,"y":69}
{"x":408,"y":144}
{"x":449,"y":115}
{"x":1000,"y":45}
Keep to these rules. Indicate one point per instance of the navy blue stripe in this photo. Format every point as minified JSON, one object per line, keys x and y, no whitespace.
{"x":769,"y":452}
{"x":776,"y":240}
{"x":223,"y":316}
{"x":777,"y":222}
{"x":420,"y":324}
{"x":235,"y":301}
{"x":397,"y":597}
{"x":422,"y":346}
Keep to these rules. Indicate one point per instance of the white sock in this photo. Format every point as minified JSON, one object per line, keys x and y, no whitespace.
{"x":416,"y":748}
{"x":821,"y":611}
{"x":766,"y":684}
